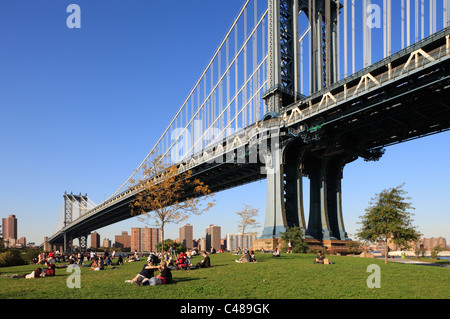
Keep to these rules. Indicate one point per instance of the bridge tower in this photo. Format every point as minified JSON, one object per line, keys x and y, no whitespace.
{"x":283,"y":50}
{"x":292,"y":159}
{"x":71,"y":201}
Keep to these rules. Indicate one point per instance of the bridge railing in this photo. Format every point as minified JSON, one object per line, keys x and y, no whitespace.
{"x":399,"y":65}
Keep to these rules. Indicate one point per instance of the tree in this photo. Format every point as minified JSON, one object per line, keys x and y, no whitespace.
{"x":295,"y":236}
{"x":435,"y":251}
{"x":169,"y":243}
{"x":247,"y":215}
{"x":167,"y":196}
{"x":388,"y":218}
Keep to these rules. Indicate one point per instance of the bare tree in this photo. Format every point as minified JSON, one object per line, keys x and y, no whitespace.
{"x":247,"y":215}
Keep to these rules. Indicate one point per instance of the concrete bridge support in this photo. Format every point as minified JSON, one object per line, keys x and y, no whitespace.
{"x":289,"y":163}
{"x":285,"y":198}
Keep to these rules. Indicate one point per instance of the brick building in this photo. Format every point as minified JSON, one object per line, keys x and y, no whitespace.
{"x":187,"y":236}
{"x":145,"y":239}
{"x":123,"y":241}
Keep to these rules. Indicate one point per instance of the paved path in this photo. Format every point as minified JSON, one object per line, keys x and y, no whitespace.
{"x":415,"y":262}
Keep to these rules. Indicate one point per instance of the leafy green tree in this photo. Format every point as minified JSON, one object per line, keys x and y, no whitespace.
{"x":388,"y":218}
{"x":419,"y":252}
{"x":295,"y":236}
{"x":169,"y":243}
{"x":435,"y":251}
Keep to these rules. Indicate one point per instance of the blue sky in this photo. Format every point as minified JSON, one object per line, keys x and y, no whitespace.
{"x":81,"y":108}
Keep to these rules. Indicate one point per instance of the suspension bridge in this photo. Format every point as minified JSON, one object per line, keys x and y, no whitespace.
{"x":298,"y":88}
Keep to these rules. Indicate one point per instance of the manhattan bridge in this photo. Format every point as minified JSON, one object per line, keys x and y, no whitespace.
{"x":298,"y":88}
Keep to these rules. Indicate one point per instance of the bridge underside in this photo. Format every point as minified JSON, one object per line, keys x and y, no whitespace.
{"x":317,"y":147}
{"x":412,"y":108}
{"x":218,"y":176}
{"x":391,"y":115}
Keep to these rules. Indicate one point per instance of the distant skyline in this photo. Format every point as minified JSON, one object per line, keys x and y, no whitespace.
{"x":81,"y":108}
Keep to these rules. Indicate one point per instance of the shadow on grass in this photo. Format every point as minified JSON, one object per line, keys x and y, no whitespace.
{"x":177,"y":280}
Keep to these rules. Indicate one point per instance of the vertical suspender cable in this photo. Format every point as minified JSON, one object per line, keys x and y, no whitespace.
{"x":389,"y":26}
{"x":353,"y":38}
{"x":432,"y":16}
{"x":422,"y":19}
{"x":408,"y":23}
{"x":384,"y":28}
{"x":345,"y":39}
{"x":403,"y":23}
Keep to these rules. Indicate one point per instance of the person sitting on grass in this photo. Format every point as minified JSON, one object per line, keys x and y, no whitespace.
{"x":188,"y":258}
{"x":181,"y":261}
{"x":97,"y":264}
{"x":165,"y":276}
{"x":276,"y":253}
{"x":320,"y":259}
{"x":245,"y":259}
{"x":252,"y":255}
{"x":135,"y":257}
{"x":205,"y":263}
{"x":50,"y":271}
{"x":119,"y":260}
{"x":147,"y":272}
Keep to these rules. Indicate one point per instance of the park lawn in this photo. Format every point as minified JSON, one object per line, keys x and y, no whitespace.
{"x":292,"y":276}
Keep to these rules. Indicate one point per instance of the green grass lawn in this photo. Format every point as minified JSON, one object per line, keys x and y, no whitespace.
{"x":292,"y":276}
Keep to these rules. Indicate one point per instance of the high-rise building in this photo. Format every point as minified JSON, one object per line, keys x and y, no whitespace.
{"x":23,"y":241}
{"x":95,"y":240}
{"x":145,"y":239}
{"x":430,"y":243}
{"x":202,"y":244}
{"x":235,"y":241}
{"x":9,"y":227}
{"x":123,"y":241}
{"x":106,"y":243}
{"x":213,"y":238}
{"x":187,"y":236}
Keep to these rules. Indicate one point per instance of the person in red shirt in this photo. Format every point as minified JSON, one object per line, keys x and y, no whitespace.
{"x":50,"y":271}
{"x":181,"y":261}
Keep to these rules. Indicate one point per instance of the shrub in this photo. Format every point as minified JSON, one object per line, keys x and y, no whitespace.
{"x":29,"y":254}
{"x":11,"y":258}
{"x":295,"y":236}
{"x":435,"y":251}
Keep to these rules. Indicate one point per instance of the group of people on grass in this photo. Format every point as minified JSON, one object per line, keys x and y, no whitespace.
{"x":247,"y":257}
{"x":147,"y":275}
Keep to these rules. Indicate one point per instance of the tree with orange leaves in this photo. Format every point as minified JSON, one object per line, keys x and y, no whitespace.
{"x":247,"y":215}
{"x":168,"y":195}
